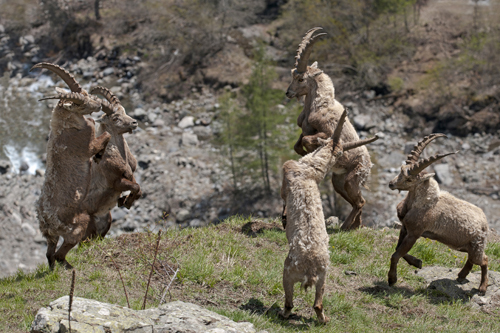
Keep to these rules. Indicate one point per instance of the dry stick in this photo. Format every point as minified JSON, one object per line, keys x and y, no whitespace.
{"x":120,"y":274}
{"x":71,"y":291}
{"x":168,"y":288}
{"x":152,"y":268}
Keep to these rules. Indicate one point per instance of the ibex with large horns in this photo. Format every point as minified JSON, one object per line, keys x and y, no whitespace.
{"x":428,"y":212}
{"x":318,"y":120}
{"x":71,"y":145}
{"x":114,"y":174}
{"x":308,"y":258}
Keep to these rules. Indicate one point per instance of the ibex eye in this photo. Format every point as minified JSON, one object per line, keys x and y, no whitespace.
{"x":301,"y":80}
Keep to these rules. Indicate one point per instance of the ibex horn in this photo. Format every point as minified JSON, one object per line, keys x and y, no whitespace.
{"x":106,"y":93}
{"x":359,"y":143}
{"x":338,"y":130}
{"x":419,"y":147}
{"x":418,"y":167}
{"x":305,"y":49}
{"x":74,"y":97}
{"x":63,"y":74}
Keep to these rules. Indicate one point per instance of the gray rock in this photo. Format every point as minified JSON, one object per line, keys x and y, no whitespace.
{"x":2,"y":29}
{"x":28,"y":229}
{"x":4,"y":166}
{"x":93,"y":316}
{"x":443,"y":173}
{"x":445,"y":281}
{"x":108,"y":71}
{"x":409,"y":147}
{"x":139,"y":114}
{"x":186,"y":122}
{"x":202,"y":132}
{"x":332,"y":221}
{"x":29,"y":38}
{"x":159,"y":123}
{"x":182,"y":215}
{"x":189,"y":139}
{"x":196,"y":223}
{"x":363,"y":122}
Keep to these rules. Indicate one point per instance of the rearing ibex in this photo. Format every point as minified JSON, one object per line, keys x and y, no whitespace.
{"x":308,"y":258}
{"x":318,"y":119}
{"x":429,"y":212}
{"x":114,"y":174}
{"x":71,"y":145}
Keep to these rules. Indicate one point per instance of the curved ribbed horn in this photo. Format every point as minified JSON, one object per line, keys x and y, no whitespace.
{"x":106,"y":93}
{"x":107,"y":107}
{"x":63,"y":74}
{"x":419,"y":147}
{"x":74,"y":97}
{"x":416,"y":168}
{"x":359,"y":143}
{"x":338,"y":130}
{"x":305,"y":48}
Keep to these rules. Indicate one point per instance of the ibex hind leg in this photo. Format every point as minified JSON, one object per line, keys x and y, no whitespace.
{"x":318,"y":301}
{"x":340,"y":185}
{"x":51,"y":251}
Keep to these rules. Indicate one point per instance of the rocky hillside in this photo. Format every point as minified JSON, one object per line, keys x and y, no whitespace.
{"x":182,"y":173}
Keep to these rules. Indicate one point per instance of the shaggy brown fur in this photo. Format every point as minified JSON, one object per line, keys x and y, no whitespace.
{"x":71,"y":145}
{"x":114,"y":173}
{"x":428,"y":212}
{"x":308,"y":258}
{"x":318,"y":119}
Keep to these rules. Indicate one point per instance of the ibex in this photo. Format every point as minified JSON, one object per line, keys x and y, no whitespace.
{"x":114,"y":173}
{"x":308,"y":259}
{"x":71,"y":145}
{"x":429,"y":212}
{"x":318,"y":119}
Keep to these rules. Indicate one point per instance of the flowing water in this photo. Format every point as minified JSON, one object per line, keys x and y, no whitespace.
{"x":24,"y":121}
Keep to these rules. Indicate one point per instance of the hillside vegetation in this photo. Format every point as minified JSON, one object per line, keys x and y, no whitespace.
{"x":235,"y":269}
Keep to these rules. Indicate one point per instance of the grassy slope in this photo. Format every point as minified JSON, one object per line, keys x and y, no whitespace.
{"x":233,"y":274}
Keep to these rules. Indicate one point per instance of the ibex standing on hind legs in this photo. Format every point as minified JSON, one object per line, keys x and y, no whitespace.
{"x":114,"y":174}
{"x":308,"y":258}
{"x":72,"y":144}
{"x":429,"y":212}
{"x":318,"y":119}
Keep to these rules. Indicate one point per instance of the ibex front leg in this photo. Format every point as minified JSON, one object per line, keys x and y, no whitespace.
{"x":123,"y":185}
{"x":401,"y":251}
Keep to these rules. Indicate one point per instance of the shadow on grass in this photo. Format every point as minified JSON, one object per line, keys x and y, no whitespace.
{"x":295,"y":322}
{"x":433,"y":292}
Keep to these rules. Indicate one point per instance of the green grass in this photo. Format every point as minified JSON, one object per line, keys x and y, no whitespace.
{"x":240,"y":276}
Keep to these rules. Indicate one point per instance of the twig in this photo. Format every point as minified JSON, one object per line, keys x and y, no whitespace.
{"x":168,"y":287}
{"x":71,"y":291}
{"x":152,"y":268}
{"x":118,"y":269}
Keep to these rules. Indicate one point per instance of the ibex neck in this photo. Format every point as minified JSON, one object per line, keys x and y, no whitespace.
{"x":426,"y":192}
{"x":322,"y":93}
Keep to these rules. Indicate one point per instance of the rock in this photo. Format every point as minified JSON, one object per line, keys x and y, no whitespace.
{"x":363,"y":122}
{"x":189,"y":139}
{"x":93,"y":316}
{"x":182,"y":215}
{"x":139,"y":114}
{"x":4,"y":166}
{"x":443,"y":174}
{"x":186,"y":122}
{"x":158,"y":123}
{"x":108,"y":71}
{"x":28,"y":229}
{"x":2,"y":29}
{"x":39,"y":172}
{"x":196,"y":223}
{"x":29,"y":38}
{"x":202,"y":132}
{"x":444,"y":280}
{"x":409,"y":147}
{"x":332,"y":221}
{"x":466,"y":146}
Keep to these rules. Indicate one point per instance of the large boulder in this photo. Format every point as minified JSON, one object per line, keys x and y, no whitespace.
{"x":93,"y":316}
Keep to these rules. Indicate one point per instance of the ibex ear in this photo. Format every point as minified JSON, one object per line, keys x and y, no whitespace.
{"x":314,"y":65}
{"x":426,"y":176}
{"x":322,"y":142}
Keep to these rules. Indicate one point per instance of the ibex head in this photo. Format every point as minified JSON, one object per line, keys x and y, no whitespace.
{"x":78,"y":100}
{"x":302,"y":74}
{"x":115,"y":119}
{"x":411,"y":173}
